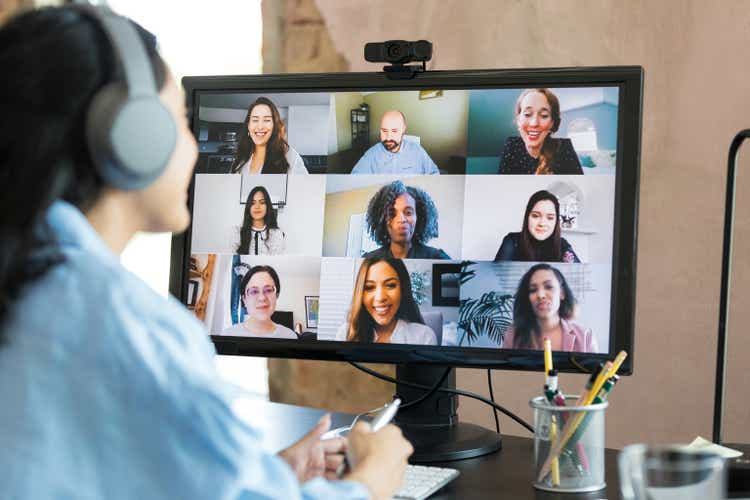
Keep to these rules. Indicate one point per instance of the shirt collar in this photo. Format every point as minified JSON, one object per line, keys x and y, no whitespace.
{"x":71,"y":228}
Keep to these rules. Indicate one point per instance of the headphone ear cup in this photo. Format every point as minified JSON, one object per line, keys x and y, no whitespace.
{"x":131,"y":139}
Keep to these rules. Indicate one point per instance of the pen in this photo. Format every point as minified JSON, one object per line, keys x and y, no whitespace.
{"x":551,"y":387}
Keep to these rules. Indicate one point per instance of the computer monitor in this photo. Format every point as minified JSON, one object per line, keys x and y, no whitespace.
{"x":451,"y":219}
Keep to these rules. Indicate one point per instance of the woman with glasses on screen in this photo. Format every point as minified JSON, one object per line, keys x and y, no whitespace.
{"x":539,"y":239}
{"x":544,"y":307}
{"x":535,"y":151}
{"x":260,"y":233}
{"x":263,"y":146}
{"x":259,"y":291}
{"x":383,"y":309}
{"x":91,"y":358}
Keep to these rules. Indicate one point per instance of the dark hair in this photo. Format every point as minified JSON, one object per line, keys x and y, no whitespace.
{"x":550,"y":146}
{"x":54,"y":60}
{"x":524,"y":320}
{"x":247,"y":220}
{"x":275,"y":162}
{"x":380,"y":212}
{"x":258,"y":269}
{"x":361,"y":324}
{"x":531,"y":249}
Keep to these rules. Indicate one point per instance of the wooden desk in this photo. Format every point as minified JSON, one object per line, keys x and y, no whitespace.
{"x":505,"y":474}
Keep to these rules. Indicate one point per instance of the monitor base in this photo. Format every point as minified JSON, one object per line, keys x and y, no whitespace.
{"x":432,"y":426}
{"x":454,"y":442}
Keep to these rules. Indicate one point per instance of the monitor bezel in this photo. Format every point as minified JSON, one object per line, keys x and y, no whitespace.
{"x":629,"y":79}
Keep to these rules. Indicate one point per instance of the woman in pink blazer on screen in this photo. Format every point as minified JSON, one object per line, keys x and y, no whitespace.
{"x":543,"y":308}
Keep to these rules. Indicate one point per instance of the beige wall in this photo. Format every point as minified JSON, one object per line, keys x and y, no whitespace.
{"x":697,"y":73}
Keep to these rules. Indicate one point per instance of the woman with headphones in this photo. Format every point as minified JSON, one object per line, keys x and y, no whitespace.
{"x":107,"y":389}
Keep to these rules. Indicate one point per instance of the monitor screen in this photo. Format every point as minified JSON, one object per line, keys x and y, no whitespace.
{"x":457,"y":218}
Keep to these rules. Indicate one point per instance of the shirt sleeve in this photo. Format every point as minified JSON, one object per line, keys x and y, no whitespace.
{"x":188,"y":442}
{"x":429,"y":165}
{"x":296,"y":163}
{"x":507,"y":250}
{"x":364,"y":164}
{"x":506,"y":157}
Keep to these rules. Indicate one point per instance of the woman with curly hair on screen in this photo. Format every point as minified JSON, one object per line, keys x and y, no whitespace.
{"x":402,"y":219}
{"x":544,"y":307}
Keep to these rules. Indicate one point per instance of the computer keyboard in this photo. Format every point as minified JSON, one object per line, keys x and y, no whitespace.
{"x":421,"y":481}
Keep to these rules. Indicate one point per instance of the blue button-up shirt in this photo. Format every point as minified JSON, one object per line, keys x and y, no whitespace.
{"x":107,"y":390}
{"x":411,"y":158}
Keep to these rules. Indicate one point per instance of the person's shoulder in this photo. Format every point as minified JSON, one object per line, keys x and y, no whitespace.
{"x":576,"y":328}
{"x":513,"y":142}
{"x":296,"y":163}
{"x":512,"y":237}
{"x":376,"y":254}
{"x":284,"y":332}
{"x":422,"y":334}
{"x":422,"y":251}
{"x":508,"y":337}
{"x":409,"y":332}
{"x":236,"y":330}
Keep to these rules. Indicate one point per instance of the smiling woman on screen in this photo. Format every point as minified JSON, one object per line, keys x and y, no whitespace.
{"x":535,"y":151}
{"x":383,"y":309}
{"x":539,"y":239}
{"x":263,"y":146}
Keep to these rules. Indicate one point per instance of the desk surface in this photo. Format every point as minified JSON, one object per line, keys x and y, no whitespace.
{"x":505,"y":474}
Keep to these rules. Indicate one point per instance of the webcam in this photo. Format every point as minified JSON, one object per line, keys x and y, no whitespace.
{"x":398,"y":51}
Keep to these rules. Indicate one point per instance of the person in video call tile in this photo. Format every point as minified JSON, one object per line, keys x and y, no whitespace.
{"x":544,"y":307}
{"x":260,"y":233}
{"x":395,"y":154}
{"x":262,"y":147}
{"x":401,"y":218}
{"x":536,"y":151}
{"x":539,"y":239}
{"x":383,"y":309}
{"x":260,"y":289}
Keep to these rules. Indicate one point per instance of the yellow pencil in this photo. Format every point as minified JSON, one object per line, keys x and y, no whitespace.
{"x":555,"y":462}
{"x":547,"y":355}
{"x":553,"y":429}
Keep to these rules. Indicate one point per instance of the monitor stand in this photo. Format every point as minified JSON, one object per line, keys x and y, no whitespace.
{"x":432,"y":426}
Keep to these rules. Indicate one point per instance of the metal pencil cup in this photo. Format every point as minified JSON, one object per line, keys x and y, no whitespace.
{"x":579,"y":466}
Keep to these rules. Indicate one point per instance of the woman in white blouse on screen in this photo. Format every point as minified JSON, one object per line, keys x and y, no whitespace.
{"x":263,"y":149}
{"x":383,"y":309}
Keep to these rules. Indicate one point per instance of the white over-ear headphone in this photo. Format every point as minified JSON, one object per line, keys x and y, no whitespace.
{"x":131,"y":135}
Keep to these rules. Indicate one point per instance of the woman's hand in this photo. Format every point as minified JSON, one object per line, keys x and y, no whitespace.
{"x":310,"y":457}
{"x":380,"y":458}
